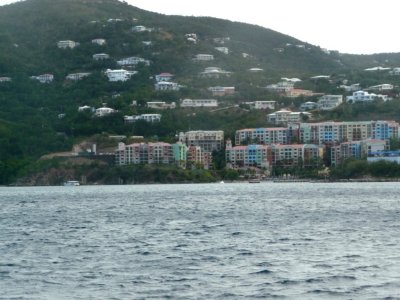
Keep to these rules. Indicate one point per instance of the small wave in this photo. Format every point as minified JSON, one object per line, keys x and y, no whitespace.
{"x":192,"y":233}
{"x":8,"y":265}
{"x":265,"y":271}
{"x":236,"y":233}
{"x":263,"y":264}
{"x":364,"y":267}
{"x":308,"y":240}
{"x":328,"y":292}
{"x":51,"y":282}
{"x":325,"y":266}
{"x":352,"y":256}
{"x":245,"y":253}
{"x":342,"y":277}
{"x":287,"y":282}
{"x":312,"y":280}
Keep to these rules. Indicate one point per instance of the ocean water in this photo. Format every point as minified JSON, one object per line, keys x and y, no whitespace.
{"x":201,"y":241}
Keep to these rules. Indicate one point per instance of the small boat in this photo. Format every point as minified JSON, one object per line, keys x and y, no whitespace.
{"x":254,"y":181}
{"x":71,"y":183}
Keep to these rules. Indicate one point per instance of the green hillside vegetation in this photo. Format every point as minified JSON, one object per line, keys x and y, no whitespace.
{"x":36,"y":118}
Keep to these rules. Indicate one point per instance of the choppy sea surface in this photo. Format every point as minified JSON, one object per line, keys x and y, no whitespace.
{"x":201,"y":241}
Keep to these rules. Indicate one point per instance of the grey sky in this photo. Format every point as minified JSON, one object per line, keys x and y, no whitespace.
{"x":350,"y":26}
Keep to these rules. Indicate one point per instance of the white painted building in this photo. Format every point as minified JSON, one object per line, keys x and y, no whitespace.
{"x":395,"y":71}
{"x":221,"y":40}
{"x":309,"y":105}
{"x":362,"y":96}
{"x":104,"y":111}
{"x":67,"y":44}
{"x":86,"y":108}
{"x":161,"y":105}
{"x":381,"y":87}
{"x":224,"y":50}
{"x":145,"y":117}
{"x":351,"y":88}
{"x":328,"y":102}
{"x":149,"y":117}
{"x":5,"y":79}
{"x":256,"y":70}
{"x":133,"y":60}
{"x":167,"y":86}
{"x":119,"y":75}
{"x":199,"y":103}
{"x":261,"y":104}
{"x":222,"y":90}
{"x":203,"y":57}
{"x":99,"y":42}
{"x":76,"y":76}
{"x":140,"y":28}
{"x":100,"y":56}
{"x":281,"y":87}
{"x":214,"y":72}
{"x":285,"y":116}
{"x":164,"y":77}
{"x":44,"y":78}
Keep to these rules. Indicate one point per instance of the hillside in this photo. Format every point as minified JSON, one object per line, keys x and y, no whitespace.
{"x":38,"y":118}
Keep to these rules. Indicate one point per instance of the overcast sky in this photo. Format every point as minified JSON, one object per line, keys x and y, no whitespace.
{"x":350,"y":26}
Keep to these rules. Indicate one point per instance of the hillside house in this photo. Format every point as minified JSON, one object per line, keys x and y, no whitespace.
{"x":161,"y":105}
{"x":261,"y":104}
{"x":222,"y":90}
{"x":351,"y":88}
{"x":294,"y":93}
{"x":224,"y":50}
{"x":199,"y":103}
{"x":44,"y":78}
{"x":140,"y":28}
{"x":203,"y":57}
{"x":167,"y":86}
{"x":381,"y":87}
{"x":119,"y":75}
{"x":395,"y":71}
{"x":76,"y":76}
{"x":221,"y":40}
{"x":328,"y":102}
{"x":164,"y":77}
{"x":99,"y":42}
{"x":104,"y":111}
{"x":281,"y":87}
{"x":256,"y":70}
{"x":67,"y":44}
{"x":285,"y":116}
{"x":362,"y":96}
{"x":5,"y":79}
{"x":100,"y":56}
{"x":309,"y":105}
{"x":214,"y":72}
{"x":191,"y":37}
{"x":133,"y":61}
{"x":375,"y":69}
{"x":86,"y":108}
{"x":114,"y":20}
